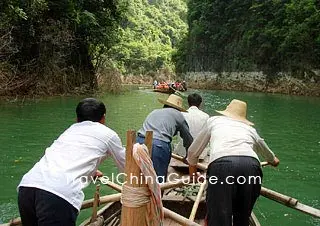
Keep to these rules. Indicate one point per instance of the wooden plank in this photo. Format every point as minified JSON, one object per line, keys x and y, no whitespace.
{"x":148,"y":141}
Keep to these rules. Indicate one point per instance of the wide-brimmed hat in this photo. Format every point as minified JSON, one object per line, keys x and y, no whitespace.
{"x":237,"y":109}
{"x":174,"y":101}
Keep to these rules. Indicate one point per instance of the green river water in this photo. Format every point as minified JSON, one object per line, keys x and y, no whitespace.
{"x":290,"y":125}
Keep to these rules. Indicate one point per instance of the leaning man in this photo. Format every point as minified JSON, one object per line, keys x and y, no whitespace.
{"x":165,"y":123}
{"x":234,"y":162}
{"x":51,"y":192}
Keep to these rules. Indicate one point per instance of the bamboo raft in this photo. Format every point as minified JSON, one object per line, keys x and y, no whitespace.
{"x":178,"y":209}
{"x":169,"y":90}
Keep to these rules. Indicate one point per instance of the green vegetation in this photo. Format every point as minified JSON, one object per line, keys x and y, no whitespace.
{"x":149,"y":36}
{"x":243,"y":35}
{"x":49,"y":46}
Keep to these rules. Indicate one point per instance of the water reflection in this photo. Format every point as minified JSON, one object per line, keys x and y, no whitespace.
{"x":290,"y":126}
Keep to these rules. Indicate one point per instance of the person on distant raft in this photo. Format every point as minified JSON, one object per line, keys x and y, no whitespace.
{"x":234,"y":173}
{"x":184,"y":85}
{"x":51,"y":192}
{"x":155,"y":84}
{"x":165,"y":123}
{"x":196,"y":120}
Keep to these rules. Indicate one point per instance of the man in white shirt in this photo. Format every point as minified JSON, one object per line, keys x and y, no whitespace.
{"x":51,"y":192}
{"x":234,"y":173}
{"x":196,"y":120}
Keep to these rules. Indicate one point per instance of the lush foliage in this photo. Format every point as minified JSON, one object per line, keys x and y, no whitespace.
{"x":56,"y":46}
{"x":242,"y":35}
{"x":53,"y":43}
{"x":149,"y":36}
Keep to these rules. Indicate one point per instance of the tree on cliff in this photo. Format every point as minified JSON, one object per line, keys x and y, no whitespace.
{"x":55,"y":46}
{"x":50,"y":45}
{"x":243,"y":35}
{"x":149,"y":36}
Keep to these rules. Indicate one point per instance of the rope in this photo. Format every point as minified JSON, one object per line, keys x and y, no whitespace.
{"x":135,"y":196}
{"x":151,"y":195}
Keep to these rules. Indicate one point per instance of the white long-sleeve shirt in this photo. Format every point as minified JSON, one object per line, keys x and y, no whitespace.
{"x":196,"y":120}
{"x":229,"y":137}
{"x":68,"y":164}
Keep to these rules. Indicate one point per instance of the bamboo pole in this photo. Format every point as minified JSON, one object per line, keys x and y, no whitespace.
{"x":178,"y":218}
{"x":113,"y":185}
{"x":276,"y":196}
{"x":95,"y":204}
{"x":104,"y":199}
{"x":168,"y":213}
{"x":286,"y":200}
{"x":133,"y":216}
{"x":201,"y":165}
{"x":177,"y":92}
{"x":289,"y":201}
{"x":164,"y":186}
{"x":175,"y":184}
{"x":198,"y":199}
{"x":180,"y":158}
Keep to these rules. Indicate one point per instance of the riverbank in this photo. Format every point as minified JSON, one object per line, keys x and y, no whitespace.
{"x":256,"y":82}
{"x":232,"y":81}
{"x":282,"y":87}
{"x":240,"y":81}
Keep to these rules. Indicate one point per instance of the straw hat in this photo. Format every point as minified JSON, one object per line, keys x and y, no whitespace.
{"x":174,"y":101}
{"x":237,"y":109}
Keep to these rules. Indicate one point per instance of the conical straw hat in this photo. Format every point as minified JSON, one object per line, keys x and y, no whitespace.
{"x":174,"y":101}
{"x":237,"y":109}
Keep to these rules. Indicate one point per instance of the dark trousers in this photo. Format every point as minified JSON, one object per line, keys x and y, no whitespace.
{"x":42,"y":208}
{"x":161,"y":155}
{"x":230,"y":200}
